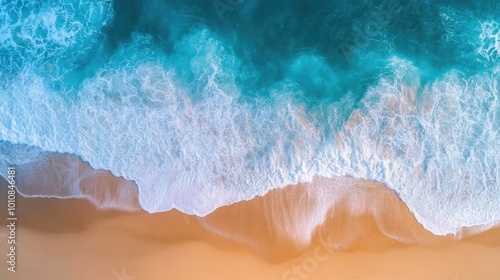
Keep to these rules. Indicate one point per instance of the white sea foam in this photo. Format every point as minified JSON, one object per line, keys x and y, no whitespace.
{"x":436,"y":145}
{"x":50,"y":34}
{"x":490,"y":41}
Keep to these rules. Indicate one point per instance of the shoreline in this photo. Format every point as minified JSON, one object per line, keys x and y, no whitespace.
{"x":71,"y":239}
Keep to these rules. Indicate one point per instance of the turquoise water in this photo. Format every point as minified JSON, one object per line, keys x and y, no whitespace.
{"x":229,"y":99}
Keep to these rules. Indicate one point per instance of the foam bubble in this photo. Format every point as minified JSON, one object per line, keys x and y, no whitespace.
{"x":490,"y":41}
{"x":49,"y":35}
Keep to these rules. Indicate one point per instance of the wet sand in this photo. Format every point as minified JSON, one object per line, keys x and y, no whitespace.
{"x":71,"y":239}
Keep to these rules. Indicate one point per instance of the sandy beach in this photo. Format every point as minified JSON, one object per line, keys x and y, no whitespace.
{"x":70,"y":239}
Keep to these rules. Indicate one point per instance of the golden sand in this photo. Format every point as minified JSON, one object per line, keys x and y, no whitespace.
{"x":70,"y":239}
